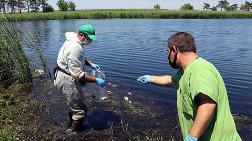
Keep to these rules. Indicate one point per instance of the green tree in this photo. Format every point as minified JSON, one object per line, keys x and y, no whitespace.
{"x":63,"y":6}
{"x":214,"y":8}
{"x":232,"y":7}
{"x":12,"y":5}
{"x":187,"y":6}
{"x":35,"y":4}
{"x":28,"y":5}
{"x":247,"y":6}
{"x":206,"y":6}
{"x":21,"y":5}
{"x":222,"y":4}
{"x":71,"y":6}
{"x":157,"y":7}
{"x":43,"y":4}
{"x":3,"y":4}
{"x":48,"y":8}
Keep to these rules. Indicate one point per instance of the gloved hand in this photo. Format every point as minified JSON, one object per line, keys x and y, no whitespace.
{"x":94,"y":66}
{"x":100,"y":82}
{"x":190,"y":138}
{"x":144,"y":79}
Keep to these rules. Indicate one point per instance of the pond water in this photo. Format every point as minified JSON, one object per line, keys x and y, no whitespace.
{"x":128,"y":48}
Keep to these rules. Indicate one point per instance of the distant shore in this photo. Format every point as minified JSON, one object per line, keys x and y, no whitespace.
{"x":129,"y":13}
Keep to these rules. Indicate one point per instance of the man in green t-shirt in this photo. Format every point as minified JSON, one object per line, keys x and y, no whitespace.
{"x":202,"y":100}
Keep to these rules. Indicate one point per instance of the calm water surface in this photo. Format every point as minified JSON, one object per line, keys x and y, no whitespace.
{"x":128,"y":48}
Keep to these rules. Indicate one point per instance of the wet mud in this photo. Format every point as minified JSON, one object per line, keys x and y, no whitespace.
{"x":124,"y":116}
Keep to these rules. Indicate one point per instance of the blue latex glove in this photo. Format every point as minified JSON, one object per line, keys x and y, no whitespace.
{"x":95,"y":66}
{"x":100,"y":82}
{"x":144,"y":79}
{"x":190,"y":138}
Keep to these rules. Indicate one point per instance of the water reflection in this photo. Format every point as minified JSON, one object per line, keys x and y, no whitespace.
{"x":127,"y":48}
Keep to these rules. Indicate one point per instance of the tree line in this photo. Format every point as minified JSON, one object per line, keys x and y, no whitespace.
{"x":227,"y":6}
{"x":65,"y":6}
{"x":14,"y":6}
{"x":222,"y":5}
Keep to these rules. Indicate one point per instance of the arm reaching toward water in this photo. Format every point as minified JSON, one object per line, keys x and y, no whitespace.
{"x":164,"y":80}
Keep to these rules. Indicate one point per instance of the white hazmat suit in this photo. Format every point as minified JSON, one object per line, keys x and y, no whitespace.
{"x":71,"y":59}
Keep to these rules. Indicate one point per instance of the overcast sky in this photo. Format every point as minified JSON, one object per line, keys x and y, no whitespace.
{"x":140,"y":4}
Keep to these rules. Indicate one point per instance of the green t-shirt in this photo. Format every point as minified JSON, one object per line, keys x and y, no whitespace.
{"x":200,"y":76}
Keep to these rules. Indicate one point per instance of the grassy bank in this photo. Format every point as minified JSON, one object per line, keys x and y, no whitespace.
{"x":16,"y":104}
{"x":132,"y":13}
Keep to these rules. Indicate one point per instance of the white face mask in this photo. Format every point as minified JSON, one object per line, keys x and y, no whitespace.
{"x":86,"y":42}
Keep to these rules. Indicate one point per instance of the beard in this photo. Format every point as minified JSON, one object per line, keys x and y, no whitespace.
{"x":174,"y":63}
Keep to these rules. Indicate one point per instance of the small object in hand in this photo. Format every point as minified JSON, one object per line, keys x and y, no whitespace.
{"x":144,"y":79}
{"x":140,"y":79}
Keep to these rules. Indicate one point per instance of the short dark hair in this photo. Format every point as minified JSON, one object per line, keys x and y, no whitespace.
{"x":183,"y":41}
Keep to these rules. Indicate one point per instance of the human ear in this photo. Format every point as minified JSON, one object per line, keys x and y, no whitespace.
{"x":175,"y":50}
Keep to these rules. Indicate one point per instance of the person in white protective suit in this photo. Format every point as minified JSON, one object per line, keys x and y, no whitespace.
{"x":70,"y":75}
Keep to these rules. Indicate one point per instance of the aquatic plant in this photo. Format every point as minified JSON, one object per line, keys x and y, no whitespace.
{"x":131,"y":13}
{"x":14,"y":64}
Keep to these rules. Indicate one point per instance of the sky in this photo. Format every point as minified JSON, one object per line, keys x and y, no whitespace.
{"x":140,"y":4}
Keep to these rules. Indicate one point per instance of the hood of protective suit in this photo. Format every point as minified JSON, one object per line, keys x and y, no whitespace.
{"x":71,"y":56}
{"x":71,"y":36}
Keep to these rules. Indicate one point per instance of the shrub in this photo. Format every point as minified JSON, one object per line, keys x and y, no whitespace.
{"x":187,"y":6}
{"x":63,"y":6}
{"x":48,"y":8}
{"x":71,"y":6}
{"x":157,"y":7}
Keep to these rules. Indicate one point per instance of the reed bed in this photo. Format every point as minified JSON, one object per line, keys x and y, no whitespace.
{"x":131,"y":13}
{"x":15,"y":67}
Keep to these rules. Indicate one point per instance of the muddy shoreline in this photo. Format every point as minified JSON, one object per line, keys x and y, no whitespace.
{"x":45,"y":116}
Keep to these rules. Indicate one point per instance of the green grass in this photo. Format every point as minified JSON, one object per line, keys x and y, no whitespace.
{"x":7,"y":134}
{"x":14,"y":65}
{"x":5,"y":112}
{"x":17,"y":113}
{"x":34,"y":104}
{"x":131,"y":13}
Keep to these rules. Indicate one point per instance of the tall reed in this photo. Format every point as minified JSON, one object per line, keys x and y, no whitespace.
{"x":132,"y":13}
{"x":14,"y":64}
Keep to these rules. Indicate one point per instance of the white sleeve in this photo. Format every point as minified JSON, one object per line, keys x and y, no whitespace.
{"x":75,"y":62}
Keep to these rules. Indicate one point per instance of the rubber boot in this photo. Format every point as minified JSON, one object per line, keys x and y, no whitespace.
{"x":77,"y":125}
